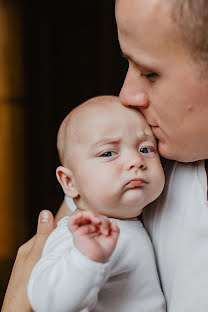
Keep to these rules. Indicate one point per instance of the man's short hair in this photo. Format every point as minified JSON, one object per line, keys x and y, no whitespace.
{"x":191,"y":16}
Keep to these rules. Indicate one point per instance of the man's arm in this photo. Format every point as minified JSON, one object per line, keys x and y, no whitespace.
{"x":27,"y":256}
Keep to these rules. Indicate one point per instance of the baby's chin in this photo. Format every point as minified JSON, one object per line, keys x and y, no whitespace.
{"x":127,"y":206}
{"x":132,"y":216}
{"x":126,"y":212}
{"x":135,"y":199}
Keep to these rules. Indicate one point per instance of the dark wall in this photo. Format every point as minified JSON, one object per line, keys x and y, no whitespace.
{"x":71,"y":54}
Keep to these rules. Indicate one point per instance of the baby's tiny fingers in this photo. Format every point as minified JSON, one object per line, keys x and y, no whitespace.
{"x":91,"y":217}
{"x":72,"y":225}
{"x":87,"y":229}
{"x":76,"y":218}
{"x":114,"y":227}
{"x":105,"y":225}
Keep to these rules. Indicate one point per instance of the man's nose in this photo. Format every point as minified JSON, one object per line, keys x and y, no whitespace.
{"x":134,"y":91}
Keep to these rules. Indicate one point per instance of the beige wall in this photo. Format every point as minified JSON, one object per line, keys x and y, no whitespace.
{"x":12,"y":162}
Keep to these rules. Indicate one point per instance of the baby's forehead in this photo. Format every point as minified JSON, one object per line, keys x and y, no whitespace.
{"x":93,"y":113}
{"x":97,"y":108}
{"x":110,"y":115}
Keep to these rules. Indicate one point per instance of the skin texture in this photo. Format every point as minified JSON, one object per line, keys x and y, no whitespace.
{"x":107,"y":156}
{"x":162,"y":79}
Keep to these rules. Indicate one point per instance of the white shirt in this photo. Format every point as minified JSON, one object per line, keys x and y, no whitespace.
{"x":64,"y":280}
{"x":178,"y":225}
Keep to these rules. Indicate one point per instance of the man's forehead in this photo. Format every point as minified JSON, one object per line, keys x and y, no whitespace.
{"x":145,"y":10}
{"x":146,"y":32}
{"x":143,"y":6}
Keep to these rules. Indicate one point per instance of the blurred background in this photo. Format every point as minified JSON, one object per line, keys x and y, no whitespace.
{"x":53,"y":56}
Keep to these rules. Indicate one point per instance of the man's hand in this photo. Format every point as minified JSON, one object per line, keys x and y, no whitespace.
{"x":94,"y":235}
{"x":27,"y":256}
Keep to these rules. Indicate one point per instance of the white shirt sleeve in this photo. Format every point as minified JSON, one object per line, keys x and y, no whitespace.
{"x":64,"y":279}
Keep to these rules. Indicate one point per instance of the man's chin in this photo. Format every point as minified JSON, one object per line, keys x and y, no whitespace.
{"x":167,"y":152}
{"x":164,"y":151}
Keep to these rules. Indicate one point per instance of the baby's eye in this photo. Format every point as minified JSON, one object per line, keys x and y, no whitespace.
{"x":146,"y":150}
{"x":108,"y":154}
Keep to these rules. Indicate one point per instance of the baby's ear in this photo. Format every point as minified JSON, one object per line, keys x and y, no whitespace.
{"x":66,"y":179}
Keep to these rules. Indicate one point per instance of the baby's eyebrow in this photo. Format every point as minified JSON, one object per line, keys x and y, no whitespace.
{"x":147,"y":138}
{"x":107,"y":140}
{"x":144,"y":136}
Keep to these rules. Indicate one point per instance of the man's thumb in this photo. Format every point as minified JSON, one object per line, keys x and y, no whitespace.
{"x":45,"y":226}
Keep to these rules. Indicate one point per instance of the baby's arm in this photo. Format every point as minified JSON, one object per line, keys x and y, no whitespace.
{"x":65,"y":279}
{"x":94,"y":236}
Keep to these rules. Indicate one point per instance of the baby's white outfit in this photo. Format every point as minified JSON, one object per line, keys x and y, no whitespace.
{"x":65,"y":280}
{"x":178,"y":225}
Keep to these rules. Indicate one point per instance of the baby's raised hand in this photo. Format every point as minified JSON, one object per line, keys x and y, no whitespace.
{"x":94,"y":235}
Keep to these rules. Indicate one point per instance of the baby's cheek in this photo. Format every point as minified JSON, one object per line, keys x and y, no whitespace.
{"x":158,"y":183}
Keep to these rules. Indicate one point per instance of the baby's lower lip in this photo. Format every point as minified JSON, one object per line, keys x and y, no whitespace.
{"x":135,"y":183}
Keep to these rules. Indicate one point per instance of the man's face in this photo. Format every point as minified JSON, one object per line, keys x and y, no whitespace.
{"x":115,"y":163}
{"x":162,"y":79}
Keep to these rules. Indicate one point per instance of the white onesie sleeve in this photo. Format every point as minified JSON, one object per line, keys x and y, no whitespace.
{"x":64,"y":280}
{"x":62,"y":277}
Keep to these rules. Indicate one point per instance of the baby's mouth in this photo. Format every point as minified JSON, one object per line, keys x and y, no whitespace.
{"x":135,"y":183}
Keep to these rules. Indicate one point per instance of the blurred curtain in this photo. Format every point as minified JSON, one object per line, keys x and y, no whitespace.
{"x":12,"y":160}
{"x":13,"y":215}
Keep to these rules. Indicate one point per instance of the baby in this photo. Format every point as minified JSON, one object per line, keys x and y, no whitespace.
{"x":111,"y":169}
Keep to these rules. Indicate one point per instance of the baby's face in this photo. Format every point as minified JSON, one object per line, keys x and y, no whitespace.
{"x":115,"y":162}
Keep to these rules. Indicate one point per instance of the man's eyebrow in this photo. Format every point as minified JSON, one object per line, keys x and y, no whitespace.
{"x":139,"y":64}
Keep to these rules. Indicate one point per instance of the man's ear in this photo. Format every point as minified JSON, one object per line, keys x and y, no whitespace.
{"x":66,"y":179}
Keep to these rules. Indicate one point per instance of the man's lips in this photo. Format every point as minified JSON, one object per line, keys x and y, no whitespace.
{"x":155,"y":130}
{"x":135,"y":183}
{"x":152,"y":123}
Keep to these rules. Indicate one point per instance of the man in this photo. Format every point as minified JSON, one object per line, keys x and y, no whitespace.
{"x":166,"y":45}
{"x":167,"y":77}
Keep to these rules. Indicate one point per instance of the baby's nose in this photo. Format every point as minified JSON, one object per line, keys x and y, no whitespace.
{"x":136,"y":162}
